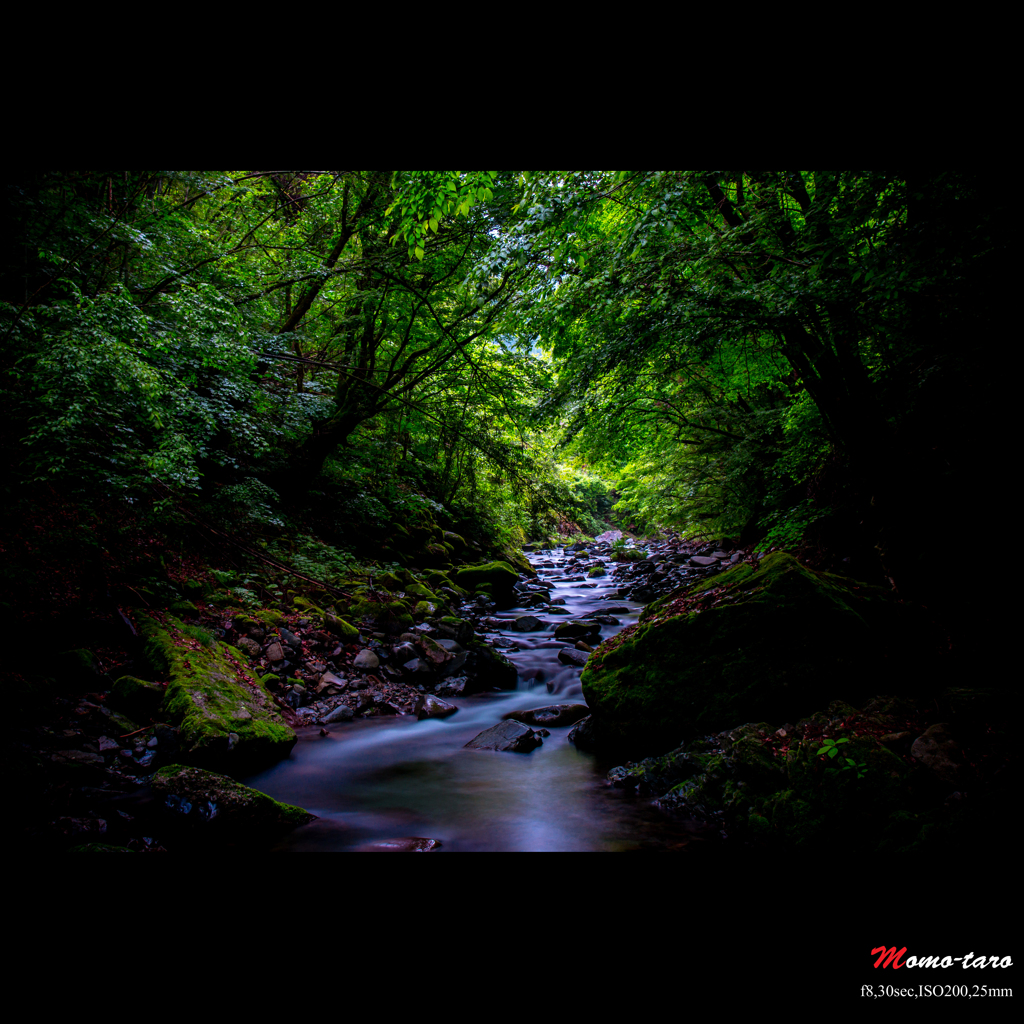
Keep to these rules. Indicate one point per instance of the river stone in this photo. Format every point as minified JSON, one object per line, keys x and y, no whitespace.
{"x":576,"y":630}
{"x":618,"y":609}
{"x":506,"y":735}
{"x":428,"y":706}
{"x":454,"y":687}
{"x":702,"y":560}
{"x":365,"y":660}
{"x":342,"y":713}
{"x":205,"y":799}
{"x":584,"y":734}
{"x":551,"y":715}
{"x":570,"y":656}
{"x":528,"y":624}
{"x":275,"y":652}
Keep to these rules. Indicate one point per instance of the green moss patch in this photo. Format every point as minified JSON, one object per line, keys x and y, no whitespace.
{"x":227,"y":719}
{"x":208,"y":801}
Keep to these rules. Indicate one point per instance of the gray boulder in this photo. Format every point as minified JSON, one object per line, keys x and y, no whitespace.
{"x":506,"y":735}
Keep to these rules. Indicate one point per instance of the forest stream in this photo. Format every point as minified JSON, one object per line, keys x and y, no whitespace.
{"x":381,"y":783}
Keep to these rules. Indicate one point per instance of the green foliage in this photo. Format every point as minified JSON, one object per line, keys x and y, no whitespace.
{"x":786,"y":527}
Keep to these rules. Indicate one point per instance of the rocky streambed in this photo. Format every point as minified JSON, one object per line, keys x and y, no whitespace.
{"x":603,"y":698}
{"x":500,"y":772}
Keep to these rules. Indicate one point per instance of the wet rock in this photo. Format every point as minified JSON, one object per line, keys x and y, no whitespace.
{"x":584,"y":734}
{"x":528,"y":624}
{"x":412,"y":844}
{"x":507,"y":735}
{"x":700,"y":560}
{"x":581,"y":646}
{"x":342,"y":713}
{"x":454,"y":687}
{"x":289,"y":638}
{"x":570,"y":656}
{"x":552,"y":715}
{"x":428,"y":706}
{"x":619,"y":609}
{"x":365,"y":660}
{"x":576,"y":630}
{"x":405,"y":651}
{"x":206,"y":799}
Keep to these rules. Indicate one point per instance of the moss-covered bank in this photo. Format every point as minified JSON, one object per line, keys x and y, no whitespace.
{"x":228,"y":720}
{"x":764,"y":643}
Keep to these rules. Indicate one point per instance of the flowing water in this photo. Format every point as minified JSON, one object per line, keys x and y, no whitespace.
{"x":379,"y":780}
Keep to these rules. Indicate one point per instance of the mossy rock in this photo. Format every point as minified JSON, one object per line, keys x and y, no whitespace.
{"x":436,"y":556}
{"x":180,"y":608}
{"x":391,"y":615}
{"x":788,"y":639}
{"x":388,"y":581}
{"x":460,"y":630}
{"x":345,"y":631}
{"x":455,"y":541}
{"x":597,"y":572}
{"x":499,"y":578}
{"x":268,"y":616}
{"x":136,"y":696}
{"x":227,"y":719}
{"x":218,"y":804}
{"x":438,"y":579}
{"x":425,"y":608}
{"x":420,"y":591}
{"x":305,"y":605}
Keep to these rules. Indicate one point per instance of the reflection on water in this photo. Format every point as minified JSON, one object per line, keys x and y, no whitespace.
{"x":395,"y":777}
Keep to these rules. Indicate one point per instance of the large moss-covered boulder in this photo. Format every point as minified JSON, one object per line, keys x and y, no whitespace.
{"x":497,"y":578}
{"x":228,"y":720}
{"x":750,"y":644}
{"x":217,"y":804}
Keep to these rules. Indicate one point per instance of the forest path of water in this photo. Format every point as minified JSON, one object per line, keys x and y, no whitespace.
{"x":385,"y":779}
